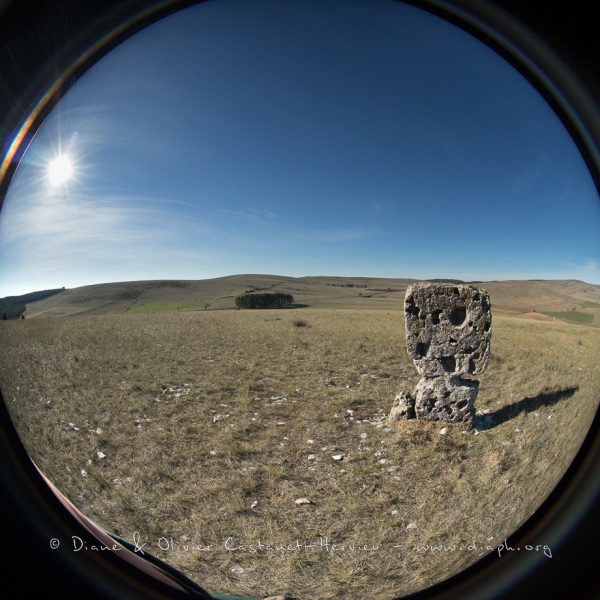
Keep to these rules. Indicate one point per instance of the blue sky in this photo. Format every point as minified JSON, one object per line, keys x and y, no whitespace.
{"x":300,"y":137}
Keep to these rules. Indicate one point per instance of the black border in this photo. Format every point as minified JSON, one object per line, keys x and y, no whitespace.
{"x":554,"y":44}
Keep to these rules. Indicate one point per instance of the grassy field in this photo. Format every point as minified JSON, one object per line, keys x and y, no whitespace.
{"x":199,"y":432}
{"x":528,"y":298}
{"x":572,"y":316}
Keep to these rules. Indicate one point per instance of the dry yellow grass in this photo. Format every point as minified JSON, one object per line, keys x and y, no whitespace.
{"x":211,"y":425}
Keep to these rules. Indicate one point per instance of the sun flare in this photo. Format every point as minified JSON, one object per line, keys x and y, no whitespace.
{"x":60,"y":169}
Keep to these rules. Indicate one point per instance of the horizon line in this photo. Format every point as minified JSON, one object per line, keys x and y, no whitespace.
{"x":417,"y":279}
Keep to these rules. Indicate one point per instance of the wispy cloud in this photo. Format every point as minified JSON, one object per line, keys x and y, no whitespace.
{"x":334,"y":236}
{"x":66,"y":233}
{"x":247,"y":215}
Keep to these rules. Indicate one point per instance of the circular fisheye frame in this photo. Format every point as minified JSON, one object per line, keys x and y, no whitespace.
{"x":252,"y":258}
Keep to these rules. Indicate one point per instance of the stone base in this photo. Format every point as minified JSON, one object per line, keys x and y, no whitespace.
{"x":448,"y":399}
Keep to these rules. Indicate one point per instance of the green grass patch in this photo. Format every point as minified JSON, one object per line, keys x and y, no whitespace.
{"x":573,"y":316}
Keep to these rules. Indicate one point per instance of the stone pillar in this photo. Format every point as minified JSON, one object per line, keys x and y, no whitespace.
{"x":448,"y":333}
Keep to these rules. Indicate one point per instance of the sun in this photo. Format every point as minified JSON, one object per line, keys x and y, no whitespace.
{"x":60,"y":169}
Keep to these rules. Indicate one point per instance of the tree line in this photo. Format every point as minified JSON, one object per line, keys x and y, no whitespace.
{"x":264,"y":300}
{"x":13,"y":307}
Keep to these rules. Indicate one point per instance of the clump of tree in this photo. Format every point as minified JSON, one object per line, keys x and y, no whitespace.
{"x":13,"y":307}
{"x":264,"y":300}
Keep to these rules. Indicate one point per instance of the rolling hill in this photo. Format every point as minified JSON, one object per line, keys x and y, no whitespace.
{"x":569,"y":300}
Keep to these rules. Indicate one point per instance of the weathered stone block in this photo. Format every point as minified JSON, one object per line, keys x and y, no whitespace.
{"x":448,"y":328}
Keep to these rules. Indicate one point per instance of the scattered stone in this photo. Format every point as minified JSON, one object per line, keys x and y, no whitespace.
{"x":443,"y":431}
{"x":173,"y":392}
{"x":254,"y":504}
{"x":411,"y":526}
{"x":100,"y":455}
{"x":302,"y":501}
{"x":338,"y":457}
{"x":403,"y":407}
{"x":72,"y":426}
{"x":311,"y":457}
{"x":83,"y":473}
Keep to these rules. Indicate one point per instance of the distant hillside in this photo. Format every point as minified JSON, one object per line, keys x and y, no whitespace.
{"x":568,"y":300}
{"x":12,"y":307}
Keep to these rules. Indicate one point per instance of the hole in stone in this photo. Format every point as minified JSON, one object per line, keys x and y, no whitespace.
{"x":472,"y":365}
{"x":487,"y":326}
{"x":458,"y":315}
{"x":452,"y":340}
{"x":412,"y":308}
{"x":461,"y":404}
{"x":435,"y":317}
{"x":422,"y":348}
{"x":449,"y":364}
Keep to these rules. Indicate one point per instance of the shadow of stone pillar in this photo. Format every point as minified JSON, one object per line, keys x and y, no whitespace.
{"x":448,"y":334}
